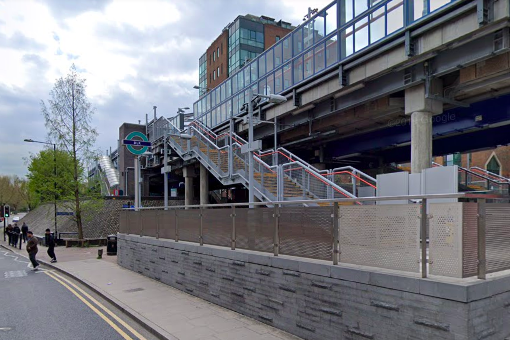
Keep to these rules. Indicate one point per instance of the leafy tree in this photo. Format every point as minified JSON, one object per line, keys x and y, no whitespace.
{"x":68,"y":117}
{"x":41,"y":176}
{"x":11,"y":188}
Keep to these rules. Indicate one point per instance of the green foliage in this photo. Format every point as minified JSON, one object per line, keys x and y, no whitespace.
{"x":14,"y":192}
{"x":42,"y":176}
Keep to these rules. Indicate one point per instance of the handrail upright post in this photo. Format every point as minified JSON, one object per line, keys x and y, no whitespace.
{"x":201,"y":231}
{"x":336,"y":232}
{"x":423,"y":236}
{"x":176,"y":226}
{"x":276,"y":236}
{"x":481,"y":226}
{"x":233,"y":239}
{"x":157,"y":223}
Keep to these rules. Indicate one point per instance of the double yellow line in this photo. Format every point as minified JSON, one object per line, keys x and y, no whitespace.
{"x":81,"y":294}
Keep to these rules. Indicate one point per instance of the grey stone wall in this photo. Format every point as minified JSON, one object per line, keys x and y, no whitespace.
{"x":315,"y":300}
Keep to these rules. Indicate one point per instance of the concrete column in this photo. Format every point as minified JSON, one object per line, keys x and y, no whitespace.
{"x":421,"y":141}
{"x":422,"y":109}
{"x":204,"y":185}
{"x":189,"y":173}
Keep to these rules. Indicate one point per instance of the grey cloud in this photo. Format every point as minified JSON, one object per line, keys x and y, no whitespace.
{"x":39,"y":62}
{"x":18,"y":41}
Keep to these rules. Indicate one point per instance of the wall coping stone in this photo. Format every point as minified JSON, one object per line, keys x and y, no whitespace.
{"x":461,"y":290}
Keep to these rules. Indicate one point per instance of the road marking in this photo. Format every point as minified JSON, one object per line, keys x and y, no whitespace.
{"x":15,"y":273}
{"x":109,"y":312}
{"x":6,"y":253}
{"x":108,"y":321}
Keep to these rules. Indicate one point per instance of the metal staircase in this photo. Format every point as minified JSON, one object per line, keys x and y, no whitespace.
{"x":279,"y":175}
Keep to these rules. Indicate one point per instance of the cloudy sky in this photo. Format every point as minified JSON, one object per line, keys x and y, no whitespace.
{"x":134,"y":54}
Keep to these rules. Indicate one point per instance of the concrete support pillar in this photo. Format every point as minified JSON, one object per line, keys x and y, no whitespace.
{"x":421,"y":108}
{"x":421,"y":141}
{"x":189,"y":173}
{"x":204,"y":185}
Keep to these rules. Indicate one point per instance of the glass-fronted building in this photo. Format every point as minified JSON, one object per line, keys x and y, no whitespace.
{"x":202,"y":74}
{"x":343,"y":28}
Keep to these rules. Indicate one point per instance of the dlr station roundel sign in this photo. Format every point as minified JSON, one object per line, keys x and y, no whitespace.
{"x":136,"y":142}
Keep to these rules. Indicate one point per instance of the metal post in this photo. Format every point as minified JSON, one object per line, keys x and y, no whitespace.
{"x":251,"y":191}
{"x":55,"y":187}
{"x":157,"y":223}
{"x":276,"y":237}
{"x":275,"y":155}
{"x":165,"y":174}
{"x":154,"y":124}
{"x":137,"y":176}
{"x":230,"y":149}
{"x":353,"y":180}
{"x":423,"y":234}
{"x":176,"y":226}
{"x":482,"y":261}
{"x":336,"y":230}
{"x":233,"y":215}
{"x":201,"y":232}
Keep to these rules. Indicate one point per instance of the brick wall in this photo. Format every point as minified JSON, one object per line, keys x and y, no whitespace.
{"x":221,"y":62}
{"x":270,"y":33}
{"x":316,"y":300}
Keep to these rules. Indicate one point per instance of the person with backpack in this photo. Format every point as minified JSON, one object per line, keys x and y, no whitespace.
{"x":9,"y":230}
{"x":16,"y":232}
{"x":50,"y":243}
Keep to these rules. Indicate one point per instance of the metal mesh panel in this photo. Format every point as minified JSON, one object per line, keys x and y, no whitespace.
{"x":217,"y":228}
{"x":497,"y":240}
{"x":306,"y":232}
{"x":470,"y":239}
{"x":381,"y":236}
{"x":149,"y":222}
{"x":189,"y":225}
{"x":167,"y":224}
{"x":255,"y":229}
{"x":240,"y":161}
{"x":133,"y":218}
{"x":123,"y":224}
{"x":445,"y":239}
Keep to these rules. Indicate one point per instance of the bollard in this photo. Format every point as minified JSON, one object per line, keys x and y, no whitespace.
{"x":99,"y":254}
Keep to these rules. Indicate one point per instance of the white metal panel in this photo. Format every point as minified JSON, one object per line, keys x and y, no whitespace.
{"x":381,"y":236}
{"x":394,"y":184}
{"x":440,"y":180}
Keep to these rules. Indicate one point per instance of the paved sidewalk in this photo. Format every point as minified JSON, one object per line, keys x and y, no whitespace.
{"x":170,"y":312}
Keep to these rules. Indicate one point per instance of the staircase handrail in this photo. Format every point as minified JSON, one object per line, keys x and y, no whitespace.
{"x":490,"y":174}
{"x":354,"y":172}
{"x":322,"y":179}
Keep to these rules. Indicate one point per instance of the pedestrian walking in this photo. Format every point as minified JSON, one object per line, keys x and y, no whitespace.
{"x":50,"y":243}
{"x":32,"y":249}
{"x":9,"y":233}
{"x":16,"y":232}
{"x":24,"y":230}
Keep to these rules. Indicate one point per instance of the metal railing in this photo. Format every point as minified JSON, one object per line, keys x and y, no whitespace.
{"x":276,"y":176}
{"x":464,"y":238}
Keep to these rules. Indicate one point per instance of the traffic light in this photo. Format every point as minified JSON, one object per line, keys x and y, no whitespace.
{"x":7,"y":211}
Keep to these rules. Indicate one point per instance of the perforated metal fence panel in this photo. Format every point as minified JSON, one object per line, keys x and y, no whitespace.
{"x":189,"y":225}
{"x":306,"y":232}
{"x":255,"y":229}
{"x":217,"y":227}
{"x":497,"y":217}
{"x":469,"y":239}
{"x":381,"y":236}
{"x":445,"y":239}
{"x":167,"y":224}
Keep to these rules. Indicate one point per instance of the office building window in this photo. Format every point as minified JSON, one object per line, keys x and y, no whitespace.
{"x":218,"y":52}
{"x":214,"y":56}
{"x":221,"y":48}
{"x":277,"y":38}
{"x":218,"y":72}
{"x":221,"y":68}
{"x":214,"y":75}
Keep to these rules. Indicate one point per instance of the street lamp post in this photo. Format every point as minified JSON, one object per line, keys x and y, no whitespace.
{"x":54,"y":179}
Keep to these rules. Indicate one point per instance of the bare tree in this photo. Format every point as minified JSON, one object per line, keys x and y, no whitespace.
{"x":68,"y":120}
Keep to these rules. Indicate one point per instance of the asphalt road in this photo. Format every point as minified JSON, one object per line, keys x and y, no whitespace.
{"x":45,"y":304}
